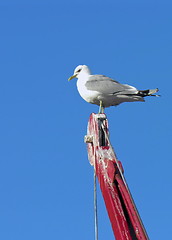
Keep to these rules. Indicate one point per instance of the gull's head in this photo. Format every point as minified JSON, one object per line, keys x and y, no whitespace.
{"x":79,"y":71}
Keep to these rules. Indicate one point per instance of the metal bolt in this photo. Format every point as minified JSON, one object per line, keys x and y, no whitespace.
{"x":88,"y":139}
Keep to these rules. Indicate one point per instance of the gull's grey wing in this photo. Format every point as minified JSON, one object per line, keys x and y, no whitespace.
{"x":106,"y":85}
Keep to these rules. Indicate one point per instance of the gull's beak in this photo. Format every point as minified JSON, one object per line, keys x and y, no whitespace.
{"x":74,"y":76}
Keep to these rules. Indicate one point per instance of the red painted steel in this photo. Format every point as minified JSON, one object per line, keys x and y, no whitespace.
{"x":125,"y":220}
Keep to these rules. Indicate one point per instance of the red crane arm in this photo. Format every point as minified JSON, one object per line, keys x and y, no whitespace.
{"x":124,"y":217}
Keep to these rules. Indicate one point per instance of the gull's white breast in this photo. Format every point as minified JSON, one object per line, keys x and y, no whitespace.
{"x":87,"y":95}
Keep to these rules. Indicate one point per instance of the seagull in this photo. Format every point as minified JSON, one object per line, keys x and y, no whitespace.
{"x":104,"y":91}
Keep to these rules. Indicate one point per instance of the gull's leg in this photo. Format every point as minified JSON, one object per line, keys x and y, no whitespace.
{"x":101,"y":108}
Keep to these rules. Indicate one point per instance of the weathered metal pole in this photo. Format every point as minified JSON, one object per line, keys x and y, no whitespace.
{"x":124,"y":217}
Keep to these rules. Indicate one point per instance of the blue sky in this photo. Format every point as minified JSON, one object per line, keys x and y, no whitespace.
{"x":46,"y":182}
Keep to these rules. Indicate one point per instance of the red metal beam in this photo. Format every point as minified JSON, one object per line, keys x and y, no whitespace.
{"x":124,"y":217}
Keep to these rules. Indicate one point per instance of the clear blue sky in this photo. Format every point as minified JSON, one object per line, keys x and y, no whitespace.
{"x":46,"y":182}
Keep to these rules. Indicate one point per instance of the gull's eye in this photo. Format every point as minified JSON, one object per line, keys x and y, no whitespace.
{"x":79,"y":70}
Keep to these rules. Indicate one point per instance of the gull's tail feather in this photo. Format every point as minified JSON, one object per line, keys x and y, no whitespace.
{"x":149,"y":92}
